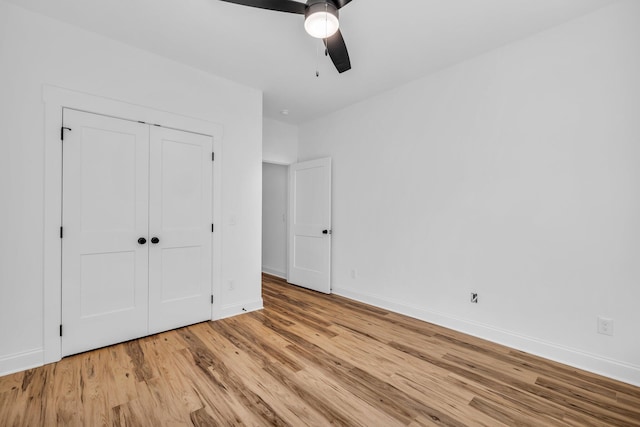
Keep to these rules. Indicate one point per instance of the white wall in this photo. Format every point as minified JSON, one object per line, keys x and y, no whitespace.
{"x":274,"y":224}
{"x":35,"y":50}
{"x":514,"y":174}
{"x":280,"y":142}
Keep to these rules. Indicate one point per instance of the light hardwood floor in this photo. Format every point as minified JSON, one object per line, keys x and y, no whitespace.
{"x":311,"y":359}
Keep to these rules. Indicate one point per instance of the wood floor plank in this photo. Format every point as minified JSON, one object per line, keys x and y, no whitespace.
{"x":217,"y":400}
{"x":64,"y":404}
{"x":336,"y":403}
{"x":410,"y":378}
{"x":95,"y":369}
{"x":365,"y":385}
{"x":244,"y":362}
{"x":308,"y":386}
{"x":297,"y":402}
{"x":572,"y":375}
{"x":512,"y":400}
{"x":209,"y":362}
{"x":179,"y":387}
{"x":122,"y":381}
{"x":316,"y":360}
{"x":201,"y":418}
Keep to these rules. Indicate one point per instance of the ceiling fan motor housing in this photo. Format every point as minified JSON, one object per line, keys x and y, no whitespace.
{"x":314,"y":6}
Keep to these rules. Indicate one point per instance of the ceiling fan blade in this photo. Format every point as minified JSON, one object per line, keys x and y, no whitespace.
{"x":337,"y":50}
{"x":279,"y":5}
{"x":341,"y":3}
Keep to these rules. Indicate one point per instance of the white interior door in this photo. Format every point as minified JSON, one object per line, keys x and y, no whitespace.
{"x":310,"y":225}
{"x":180,"y":219}
{"x":105,"y":212}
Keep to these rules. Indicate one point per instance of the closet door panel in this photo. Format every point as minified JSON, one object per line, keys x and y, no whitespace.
{"x":180,"y":219}
{"x":105,"y":212}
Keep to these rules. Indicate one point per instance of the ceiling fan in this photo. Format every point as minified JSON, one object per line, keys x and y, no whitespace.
{"x":321,"y":21}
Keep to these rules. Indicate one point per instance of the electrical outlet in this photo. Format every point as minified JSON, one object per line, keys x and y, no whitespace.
{"x":474,"y":297}
{"x":605,"y":325}
{"x":231,"y":284}
{"x":354,"y":273}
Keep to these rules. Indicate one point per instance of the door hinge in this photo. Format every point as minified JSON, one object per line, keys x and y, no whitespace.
{"x":211,"y":299}
{"x":213,"y":157}
{"x":60,"y":330}
{"x":212,"y":228}
{"x":61,"y":232}
{"x":62,"y":129}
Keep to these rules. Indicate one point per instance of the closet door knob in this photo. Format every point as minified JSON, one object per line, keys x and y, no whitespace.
{"x":142,"y":240}
{"x":154,"y":240}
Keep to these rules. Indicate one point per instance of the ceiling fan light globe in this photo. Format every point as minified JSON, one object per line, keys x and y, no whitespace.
{"x":322,"y":24}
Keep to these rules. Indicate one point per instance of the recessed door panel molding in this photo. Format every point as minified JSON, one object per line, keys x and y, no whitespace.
{"x":105,"y":211}
{"x":108,"y":162}
{"x":183,"y":282}
{"x":137,"y":244}
{"x":181,"y":171}
{"x":107,"y":283}
{"x":310,"y":224}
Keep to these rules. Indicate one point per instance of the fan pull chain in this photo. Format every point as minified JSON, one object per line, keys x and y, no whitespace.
{"x":326,"y":30}
{"x":317,"y":62}
{"x":325,"y":41}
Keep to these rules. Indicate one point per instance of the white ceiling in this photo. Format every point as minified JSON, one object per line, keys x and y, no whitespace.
{"x":389,"y":42}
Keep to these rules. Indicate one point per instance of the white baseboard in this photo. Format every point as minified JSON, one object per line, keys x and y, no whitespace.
{"x":239,"y":308}
{"x":17,"y":362}
{"x":274,"y":272}
{"x":582,"y":360}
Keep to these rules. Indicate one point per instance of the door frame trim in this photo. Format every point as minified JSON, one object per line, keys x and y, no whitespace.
{"x":55,"y":99}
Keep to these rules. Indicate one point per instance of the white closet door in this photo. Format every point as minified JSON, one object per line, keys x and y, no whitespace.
{"x":105,"y":212}
{"x":180,"y":219}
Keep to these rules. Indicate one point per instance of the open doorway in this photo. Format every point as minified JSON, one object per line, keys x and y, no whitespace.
{"x":274,"y":219}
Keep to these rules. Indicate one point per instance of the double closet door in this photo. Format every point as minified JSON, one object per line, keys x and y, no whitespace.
{"x":136,"y":246}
